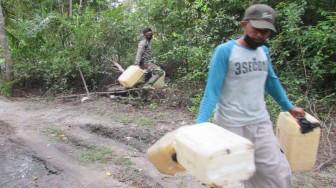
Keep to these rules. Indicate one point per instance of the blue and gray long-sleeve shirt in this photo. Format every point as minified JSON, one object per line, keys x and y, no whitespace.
{"x":237,"y":79}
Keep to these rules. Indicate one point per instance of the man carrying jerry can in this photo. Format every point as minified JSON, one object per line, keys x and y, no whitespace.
{"x":144,"y":59}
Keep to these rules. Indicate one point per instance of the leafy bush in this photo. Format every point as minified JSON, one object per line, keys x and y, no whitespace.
{"x":47,"y":51}
{"x":303,"y":54}
{"x":48,"y":45}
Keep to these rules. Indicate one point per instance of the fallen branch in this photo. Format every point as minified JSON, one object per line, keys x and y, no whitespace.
{"x":118,"y":66}
{"x":98,"y":93}
{"x":125,"y":98}
{"x":70,"y":96}
{"x":116,"y":91}
{"x":325,"y":164}
{"x":116,"y":84}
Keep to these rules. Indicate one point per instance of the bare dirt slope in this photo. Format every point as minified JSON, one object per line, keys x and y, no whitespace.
{"x":45,"y":143}
{"x":97,"y":143}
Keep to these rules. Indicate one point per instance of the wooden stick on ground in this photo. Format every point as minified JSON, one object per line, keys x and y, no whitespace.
{"x":98,"y":93}
{"x":118,"y":66}
{"x":81,"y":74}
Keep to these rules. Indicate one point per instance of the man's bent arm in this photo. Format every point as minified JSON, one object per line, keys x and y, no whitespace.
{"x":274,"y":88}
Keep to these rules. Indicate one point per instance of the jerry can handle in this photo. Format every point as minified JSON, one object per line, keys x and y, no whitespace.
{"x":174,"y":157}
{"x":306,"y":126}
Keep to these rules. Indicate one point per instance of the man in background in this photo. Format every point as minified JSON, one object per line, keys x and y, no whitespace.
{"x":144,"y":59}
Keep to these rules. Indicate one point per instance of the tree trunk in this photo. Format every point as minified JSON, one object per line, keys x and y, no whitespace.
{"x":70,"y":7}
{"x":61,"y":8}
{"x":80,"y":7}
{"x":5,"y":47}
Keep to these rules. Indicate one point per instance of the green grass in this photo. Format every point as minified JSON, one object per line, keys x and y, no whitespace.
{"x":144,"y":121}
{"x":124,"y":161}
{"x":54,"y":132}
{"x":153,"y":106}
{"x":95,"y":127}
{"x":126,"y":120}
{"x":102,"y":154}
{"x":96,"y":153}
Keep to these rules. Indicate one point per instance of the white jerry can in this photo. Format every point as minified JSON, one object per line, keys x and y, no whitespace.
{"x":131,"y":76}
{"x":214,"y":155}
{"x":161,"y":154}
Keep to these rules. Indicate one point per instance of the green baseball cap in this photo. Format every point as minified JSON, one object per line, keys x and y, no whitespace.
{"x":260,"y":16}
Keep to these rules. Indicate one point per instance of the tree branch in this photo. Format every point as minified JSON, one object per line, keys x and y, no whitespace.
{"x":118,"y":66}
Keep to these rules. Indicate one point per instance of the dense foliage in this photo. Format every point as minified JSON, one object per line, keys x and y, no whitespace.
{"x":49,"y":40}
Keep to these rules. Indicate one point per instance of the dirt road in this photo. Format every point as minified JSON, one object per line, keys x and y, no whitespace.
{"x":97,"y":143}
{"x":50,"y":144}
